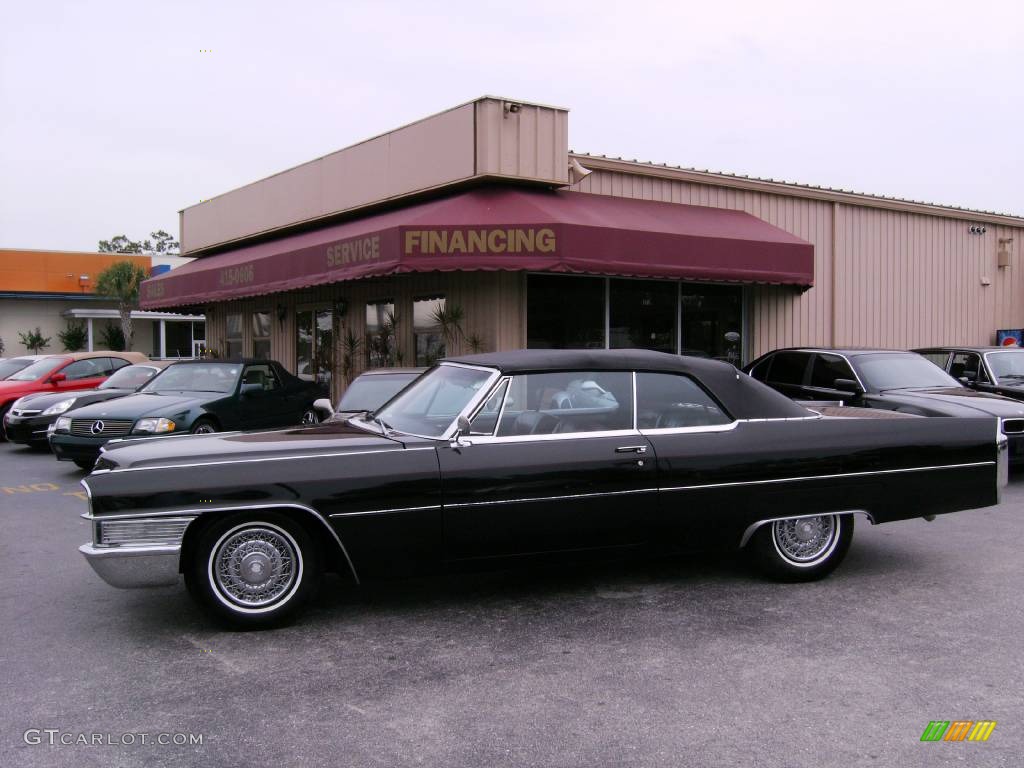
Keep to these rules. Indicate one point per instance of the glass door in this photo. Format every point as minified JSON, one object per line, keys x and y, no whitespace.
{"x":314,"y":345}
{"x":712,"y":321}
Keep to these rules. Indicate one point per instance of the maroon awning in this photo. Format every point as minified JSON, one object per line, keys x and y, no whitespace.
{"x":503,"y":229}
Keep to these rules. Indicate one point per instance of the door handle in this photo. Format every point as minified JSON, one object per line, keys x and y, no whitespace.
{"x":631,"y":449}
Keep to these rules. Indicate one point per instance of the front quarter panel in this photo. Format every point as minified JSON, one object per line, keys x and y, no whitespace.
{"x":383,"y":505}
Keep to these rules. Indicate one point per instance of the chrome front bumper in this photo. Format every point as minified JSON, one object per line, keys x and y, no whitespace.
{"x":129,"y":567}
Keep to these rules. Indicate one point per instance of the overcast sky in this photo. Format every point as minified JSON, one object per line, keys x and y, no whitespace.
{"x":113,"y":116}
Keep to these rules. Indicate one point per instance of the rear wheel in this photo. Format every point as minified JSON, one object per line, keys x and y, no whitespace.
{"x":86,"y":464}
{"x":310,"y":416}
{"x":802,"y":548}
{"x":253,"y":571}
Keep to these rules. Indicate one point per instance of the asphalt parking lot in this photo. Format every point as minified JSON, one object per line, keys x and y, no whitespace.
{"x":666,"y":663}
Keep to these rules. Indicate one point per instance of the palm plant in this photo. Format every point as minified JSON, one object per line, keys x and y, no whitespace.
{"x":121,"y":281}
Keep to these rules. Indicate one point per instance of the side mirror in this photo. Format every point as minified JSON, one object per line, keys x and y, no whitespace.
{"x":57,"y":378}
{"x":848,"y":385}
{"x":970,"y":377}
{"x":250,"y":389}
{"x":462,"y":430}
{"x":323,"y":406}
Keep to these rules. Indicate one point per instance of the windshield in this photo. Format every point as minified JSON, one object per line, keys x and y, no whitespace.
{"x":430,"y":405}
{"x":900,"y":371}
{"x":1007,"y":365}
{"x":15,"y":364}
{"x":195,"y":377}
{"x":367,"y":393}
{"x":129,"y":377}
{"x":37,"y":369}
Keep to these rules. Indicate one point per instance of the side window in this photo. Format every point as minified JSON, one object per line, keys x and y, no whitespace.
{"x":828,"y":368}
{"x":117,"y":363}
{"x":760,"y":371}
{"x":666,"y":401}
{"x":939,"y":358}
{"x":572,"y":401}
{"x":965,"y":364}
{"x":259,"y":378}
{"x":83,"y":369}
{"x":788,"y":368}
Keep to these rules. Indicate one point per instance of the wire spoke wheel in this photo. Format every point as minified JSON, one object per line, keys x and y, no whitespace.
{"x":806,"y":539}
{"x":256,"y":566}
{"x":802,"y":548}
{"x":310,"y":417}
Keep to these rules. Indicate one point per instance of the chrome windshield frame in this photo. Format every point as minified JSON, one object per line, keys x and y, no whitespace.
{"x":476,"y":401}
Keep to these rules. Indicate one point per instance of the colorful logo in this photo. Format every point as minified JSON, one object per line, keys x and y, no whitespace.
{"x":958,"y":730}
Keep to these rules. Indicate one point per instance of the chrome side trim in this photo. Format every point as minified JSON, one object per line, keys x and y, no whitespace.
{"x":240,"y":508}
{"x":752,"y":528}
{"x":728,"y":427}
{"x":264,"y":459}
{"x":830,"y":477}
{"x":384,"y":511}
{"x":552,"y":498}
{"x":491,"y":440}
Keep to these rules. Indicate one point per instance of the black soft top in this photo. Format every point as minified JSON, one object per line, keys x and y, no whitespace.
{"x":741,"y":395}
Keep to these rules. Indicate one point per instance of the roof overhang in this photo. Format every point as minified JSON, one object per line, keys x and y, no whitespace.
{"x":504,"y":228}
{"x":137,"y":314}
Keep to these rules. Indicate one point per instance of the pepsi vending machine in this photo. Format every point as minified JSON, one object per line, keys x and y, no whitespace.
{"x":1010,"y":338}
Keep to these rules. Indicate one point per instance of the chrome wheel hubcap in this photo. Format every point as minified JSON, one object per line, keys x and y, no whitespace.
{"x":310,"y":417}
{"x":806,"y":539}
{"x":255,"y":567}
{"x":203,"y":429}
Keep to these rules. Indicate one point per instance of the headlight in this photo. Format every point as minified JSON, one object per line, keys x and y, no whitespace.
{"x":63,"y":424}
{"x":153,"y":426}
{"x":60,"y":407}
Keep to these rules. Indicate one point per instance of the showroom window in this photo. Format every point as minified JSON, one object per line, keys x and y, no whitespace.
{"x":381,"y":341}
{"x":261,"y":335}
{"x":643,"y":314}
{"x":314,"y":345}
{"x":565,"y":312}
{"x":233,"y":335}
{"x":427,"y":337}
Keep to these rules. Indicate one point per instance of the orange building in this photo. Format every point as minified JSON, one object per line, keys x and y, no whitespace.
{"x":51,"y":289}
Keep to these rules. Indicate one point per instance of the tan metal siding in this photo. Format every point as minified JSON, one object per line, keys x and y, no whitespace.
{"x":901,"y":279}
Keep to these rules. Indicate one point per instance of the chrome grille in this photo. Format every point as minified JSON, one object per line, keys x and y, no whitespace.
{"x":153,"y":530}
{"x":111,"y":427}
{"x":1013,"y":426}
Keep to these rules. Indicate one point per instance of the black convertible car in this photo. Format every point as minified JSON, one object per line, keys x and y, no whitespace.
{"x":490,"y":457}
{"x":875,"y":378}
{"x":195,"y":396}
{"x":998,"y":370}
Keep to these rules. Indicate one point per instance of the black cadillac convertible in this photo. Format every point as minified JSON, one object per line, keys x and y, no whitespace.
{"x":494,"y":456}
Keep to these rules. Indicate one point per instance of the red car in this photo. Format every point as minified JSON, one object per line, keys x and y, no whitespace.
{"x":57,"y":373}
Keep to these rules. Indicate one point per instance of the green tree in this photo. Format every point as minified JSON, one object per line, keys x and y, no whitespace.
{"x":120,"y":244}
{"x":74,"y":337}
{"x":161,"y":243}
{"x":34,"y":341}
{"x":121,"y":281}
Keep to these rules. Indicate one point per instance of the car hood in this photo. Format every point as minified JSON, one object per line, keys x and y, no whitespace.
{"x":139,"y":406}
{"x":956,"y":401}
{"x":328,"y":438}
{"x":1015,"y":391}
{"x":44,"y":400}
